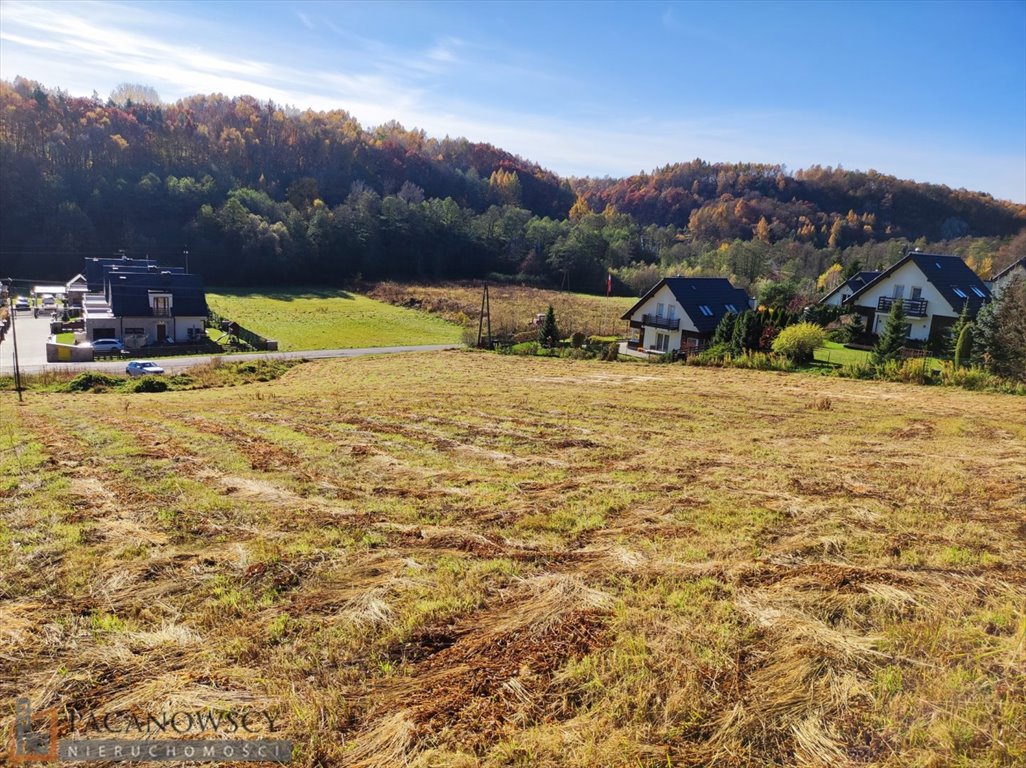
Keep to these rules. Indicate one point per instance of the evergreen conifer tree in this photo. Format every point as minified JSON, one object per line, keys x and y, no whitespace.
{"x":548,"y":334}
{"x":956,"y":329}
{"x":746,"y":333}
{"x":963,"y":346}
{"x":724,"y":332}
{"x":1008,"y":345}
{"x":892,"y":340}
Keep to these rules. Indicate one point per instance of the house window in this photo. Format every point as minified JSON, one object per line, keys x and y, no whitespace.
{"x":705,"y":310}
{"x":959,"y":292}
{"x":979,"y":293}
{"x":671,"y":312}
{"x":917,"y":292}
{"x":899,"y":292}
{"x":731,"y":308}
{"x":660,"y":308}
{"x":662,"y":342}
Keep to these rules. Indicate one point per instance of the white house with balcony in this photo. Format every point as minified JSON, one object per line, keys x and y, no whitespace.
{"x":143,"y":304}
{"x":933,"y":289}
{"x":681,"y":313}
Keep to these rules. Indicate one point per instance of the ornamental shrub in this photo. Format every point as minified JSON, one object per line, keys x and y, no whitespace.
{"x":798,"y":342}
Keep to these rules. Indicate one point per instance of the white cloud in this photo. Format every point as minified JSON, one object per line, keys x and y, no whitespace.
{"x":81,"y":47}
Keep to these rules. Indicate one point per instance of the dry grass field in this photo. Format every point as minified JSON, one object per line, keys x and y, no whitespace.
{"x":512,"y":306}
{"x":463,"y":559}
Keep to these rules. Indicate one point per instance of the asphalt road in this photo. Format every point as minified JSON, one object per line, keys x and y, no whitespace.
{"x":175,"y":364}
{"x":32,"y":334}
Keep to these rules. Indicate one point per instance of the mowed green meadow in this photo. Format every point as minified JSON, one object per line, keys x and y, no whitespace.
{"x":316,"y":318}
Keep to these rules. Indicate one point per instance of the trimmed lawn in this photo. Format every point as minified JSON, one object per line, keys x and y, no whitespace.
{"x":833,"y":352}
{"x":329,"y":319}
{"x":837,"y":354}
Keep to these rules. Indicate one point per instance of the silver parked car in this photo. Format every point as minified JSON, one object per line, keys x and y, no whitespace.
{"x":143,"y":368}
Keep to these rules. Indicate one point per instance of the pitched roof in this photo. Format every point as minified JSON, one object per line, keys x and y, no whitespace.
{"x":96,"y":268}
{"x":714,"y":293}
{"x":1020,"y":263}
{"x":130,"y":293}
{"x":947,"y":274}
{"x":853,"y":283}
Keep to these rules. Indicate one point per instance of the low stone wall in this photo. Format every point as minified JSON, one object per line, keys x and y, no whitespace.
{"x":68,"y":353}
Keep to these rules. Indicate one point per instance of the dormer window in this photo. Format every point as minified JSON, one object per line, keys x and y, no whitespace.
{"x":160,"y":303}
{"x":960,"y":293}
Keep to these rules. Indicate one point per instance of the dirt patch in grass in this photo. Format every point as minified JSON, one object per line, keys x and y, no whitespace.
{"x":471,"y":681}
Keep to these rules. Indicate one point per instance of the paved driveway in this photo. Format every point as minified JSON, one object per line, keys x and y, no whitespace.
{"x":32,"y":334}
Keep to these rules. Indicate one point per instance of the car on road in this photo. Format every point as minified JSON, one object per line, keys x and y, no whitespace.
{"x":106,"y":345}
{"x":143,"y":368}
{"x":49,"y":302}
{"x":21,"y":304}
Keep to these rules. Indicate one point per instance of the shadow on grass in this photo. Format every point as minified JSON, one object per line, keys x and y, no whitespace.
{"x":283,"y":294}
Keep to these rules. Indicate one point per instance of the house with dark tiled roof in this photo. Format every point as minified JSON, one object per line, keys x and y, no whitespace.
{"x":932,"y":288}
{"x":679,"y":313}
{"x":142,"y":304}
{"x":843,"y":291}
{"x":1003,"y":279}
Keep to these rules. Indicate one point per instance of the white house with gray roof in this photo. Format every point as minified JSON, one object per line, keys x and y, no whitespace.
{"x":933,"y":289}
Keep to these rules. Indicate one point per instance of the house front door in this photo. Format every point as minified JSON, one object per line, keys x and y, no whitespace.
{"x":161,"y":332}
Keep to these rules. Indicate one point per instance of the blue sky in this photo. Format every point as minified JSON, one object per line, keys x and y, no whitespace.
{"x":928,"y":91}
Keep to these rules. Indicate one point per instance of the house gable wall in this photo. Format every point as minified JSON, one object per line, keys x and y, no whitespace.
{"x":911,"y":277}
{"x":663,"y":296}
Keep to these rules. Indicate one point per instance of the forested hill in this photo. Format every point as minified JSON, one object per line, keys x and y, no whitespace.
{"x":826,"y":206}
{"x":261,"y":192}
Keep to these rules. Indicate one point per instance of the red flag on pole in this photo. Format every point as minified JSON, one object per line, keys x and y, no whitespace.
{"x":609,"y":284}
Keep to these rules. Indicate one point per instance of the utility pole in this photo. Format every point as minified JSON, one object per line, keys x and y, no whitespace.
{"x":486,"y":311}
{"x":14,"y":339}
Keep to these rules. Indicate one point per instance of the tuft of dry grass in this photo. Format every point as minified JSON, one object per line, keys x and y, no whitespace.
{"x":459,"y":559}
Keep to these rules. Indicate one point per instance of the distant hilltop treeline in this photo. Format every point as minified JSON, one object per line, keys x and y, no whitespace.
{"x":256,"y":191}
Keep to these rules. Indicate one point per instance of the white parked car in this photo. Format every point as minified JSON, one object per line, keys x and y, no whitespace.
{"x":21,"y":304}
{"x":143,"y":368}
{"x":106,"y":345}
